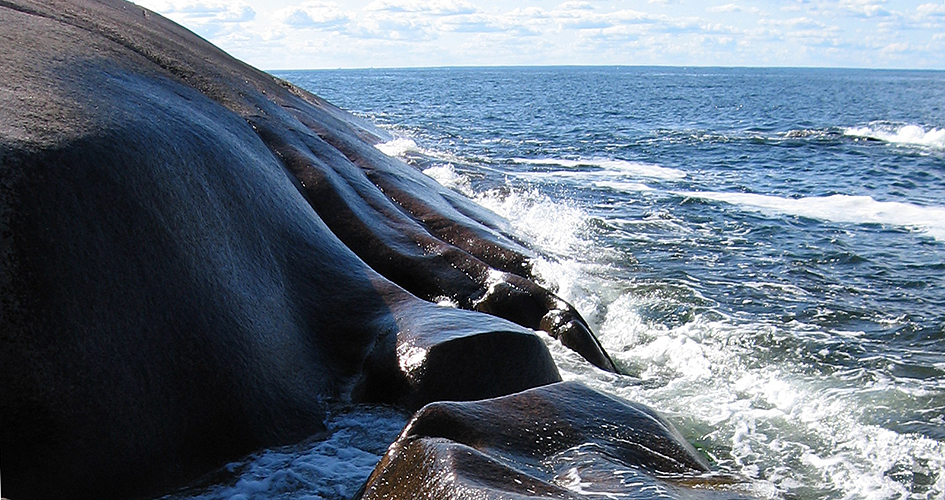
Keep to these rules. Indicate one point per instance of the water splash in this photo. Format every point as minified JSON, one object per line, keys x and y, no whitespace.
{"x":901,"y":134}
{"x":788,"y":430}
{"x":398,"y":147}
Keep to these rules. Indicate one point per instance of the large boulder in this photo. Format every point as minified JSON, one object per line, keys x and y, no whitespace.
{"x":561,"y":441}
{"x":171,"y":295}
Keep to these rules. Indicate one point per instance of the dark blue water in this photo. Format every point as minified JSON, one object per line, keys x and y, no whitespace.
{"x":763,"y":250}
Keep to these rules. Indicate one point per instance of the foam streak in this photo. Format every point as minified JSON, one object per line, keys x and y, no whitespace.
{"x":840,"y":208}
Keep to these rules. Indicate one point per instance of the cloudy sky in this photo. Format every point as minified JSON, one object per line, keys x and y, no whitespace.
{"x":312,"y":34}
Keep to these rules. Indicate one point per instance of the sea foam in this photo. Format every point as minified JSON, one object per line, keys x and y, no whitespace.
{"x":446,"y":175}
{"x":910,"y":135}
{"x":783,"y":429}
{"x":840,"y":208}
{"x":635,"y":168}
{"x":398,"y":147}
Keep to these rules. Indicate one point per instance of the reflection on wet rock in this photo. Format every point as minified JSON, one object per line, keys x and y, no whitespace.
{"x":562,"y":440}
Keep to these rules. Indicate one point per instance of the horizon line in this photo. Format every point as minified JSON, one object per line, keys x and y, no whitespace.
{"x":615,"y":66}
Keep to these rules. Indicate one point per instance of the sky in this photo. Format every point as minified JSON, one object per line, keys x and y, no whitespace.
{"x":321,"y":34}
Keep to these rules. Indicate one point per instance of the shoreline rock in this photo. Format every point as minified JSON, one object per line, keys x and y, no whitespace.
{"x":197,"y":260}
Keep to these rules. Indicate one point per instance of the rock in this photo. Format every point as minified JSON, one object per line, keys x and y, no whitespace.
{"x":169,"y":297}
{"x":562,"y":441}
{"x":417,"y":233}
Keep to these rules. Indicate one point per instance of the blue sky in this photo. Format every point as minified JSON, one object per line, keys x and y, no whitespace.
{"x":312,"y":34}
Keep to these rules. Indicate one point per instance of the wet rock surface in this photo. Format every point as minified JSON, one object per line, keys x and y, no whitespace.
{"x":198,"y":260}
{"x":562,"y":441}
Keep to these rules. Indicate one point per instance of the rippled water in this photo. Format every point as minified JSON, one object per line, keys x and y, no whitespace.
{"x":762,"y":250}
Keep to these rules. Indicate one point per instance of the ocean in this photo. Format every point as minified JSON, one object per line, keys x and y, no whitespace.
{"x":762,"y":251}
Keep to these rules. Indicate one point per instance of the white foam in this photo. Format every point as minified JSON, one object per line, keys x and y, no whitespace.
{"x":559,"y":229}
{"x":787,"y":430}
{"x":635,"y":168}
{"x":552,"y":226}
{"x":398,"y":147}
{"x":626,"y":187}
{"x":446,"y":175}
{"x":840,"y":208}
{"x":912,"y":135}
{"x":784,"y":429}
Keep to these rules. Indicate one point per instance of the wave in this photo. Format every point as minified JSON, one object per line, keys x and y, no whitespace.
{"x":780,"y":428}
{"x":398,"y":147}
{"x":637,"y":168}
{"x":904,"y":134}
{"x":840,"y":208}
{"x":553,"y":226}
{"x":446,"y":175}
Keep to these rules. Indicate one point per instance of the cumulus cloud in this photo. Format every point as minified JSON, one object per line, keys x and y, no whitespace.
{"x":566,"y":6}
{"x":426,"y":7}
{"x":424,"y":32}
{"x":473,"y":23}
{"x":208,"y":18}
{"x":732,"y":7}
{"x":933,"y":10}
{"x":896,"y":48}
{"x":418,"y":20}
{"x":318,"y":15}
{"x":867,"y":8}
{"x":795,"y":23}
{"x":729,"y":7}
{"x":202,"y":11}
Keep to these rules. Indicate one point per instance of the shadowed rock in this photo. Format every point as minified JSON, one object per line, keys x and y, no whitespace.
{"x":562,"y":441}
{"x":198,"y":260}
{"x":169,"y":299}
{"x":418,"y":234}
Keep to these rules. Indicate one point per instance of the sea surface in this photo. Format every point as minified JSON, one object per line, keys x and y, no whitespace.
{"x":762,"y":250}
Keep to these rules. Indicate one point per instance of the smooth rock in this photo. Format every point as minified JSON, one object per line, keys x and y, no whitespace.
{"x":557,"y":441}
{"x":169,"y":297}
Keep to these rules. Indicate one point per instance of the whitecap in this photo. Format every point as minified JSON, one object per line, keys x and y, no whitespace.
{"x":785,"y":430}
{"x":397,"y":147}
{"x":446,"y":175}
{"x":904,"y":134}
{"x":782,"y":428}
{"x":636,"y":168}
{"x":626,"y":187}
{"x":840,"y":208}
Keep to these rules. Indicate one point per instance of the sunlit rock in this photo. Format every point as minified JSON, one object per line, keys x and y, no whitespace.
{"x":560,"y":441}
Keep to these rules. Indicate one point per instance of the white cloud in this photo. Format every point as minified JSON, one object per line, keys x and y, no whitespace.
{"x":210,"y":19}
{"x":575,"y":6}
{"x":418,"y":20}
{"x":794,"y":23}
{"x":931,"y":10}
{"x":898,"y":47}
{"x":320,"y":15}
{"x":472,"y":23}
{"x":332,"y":33}
{"x":729,"y":7}
{"x":868,"y":8}
{"x":202,"y":11}
{"x":430,"y":7}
